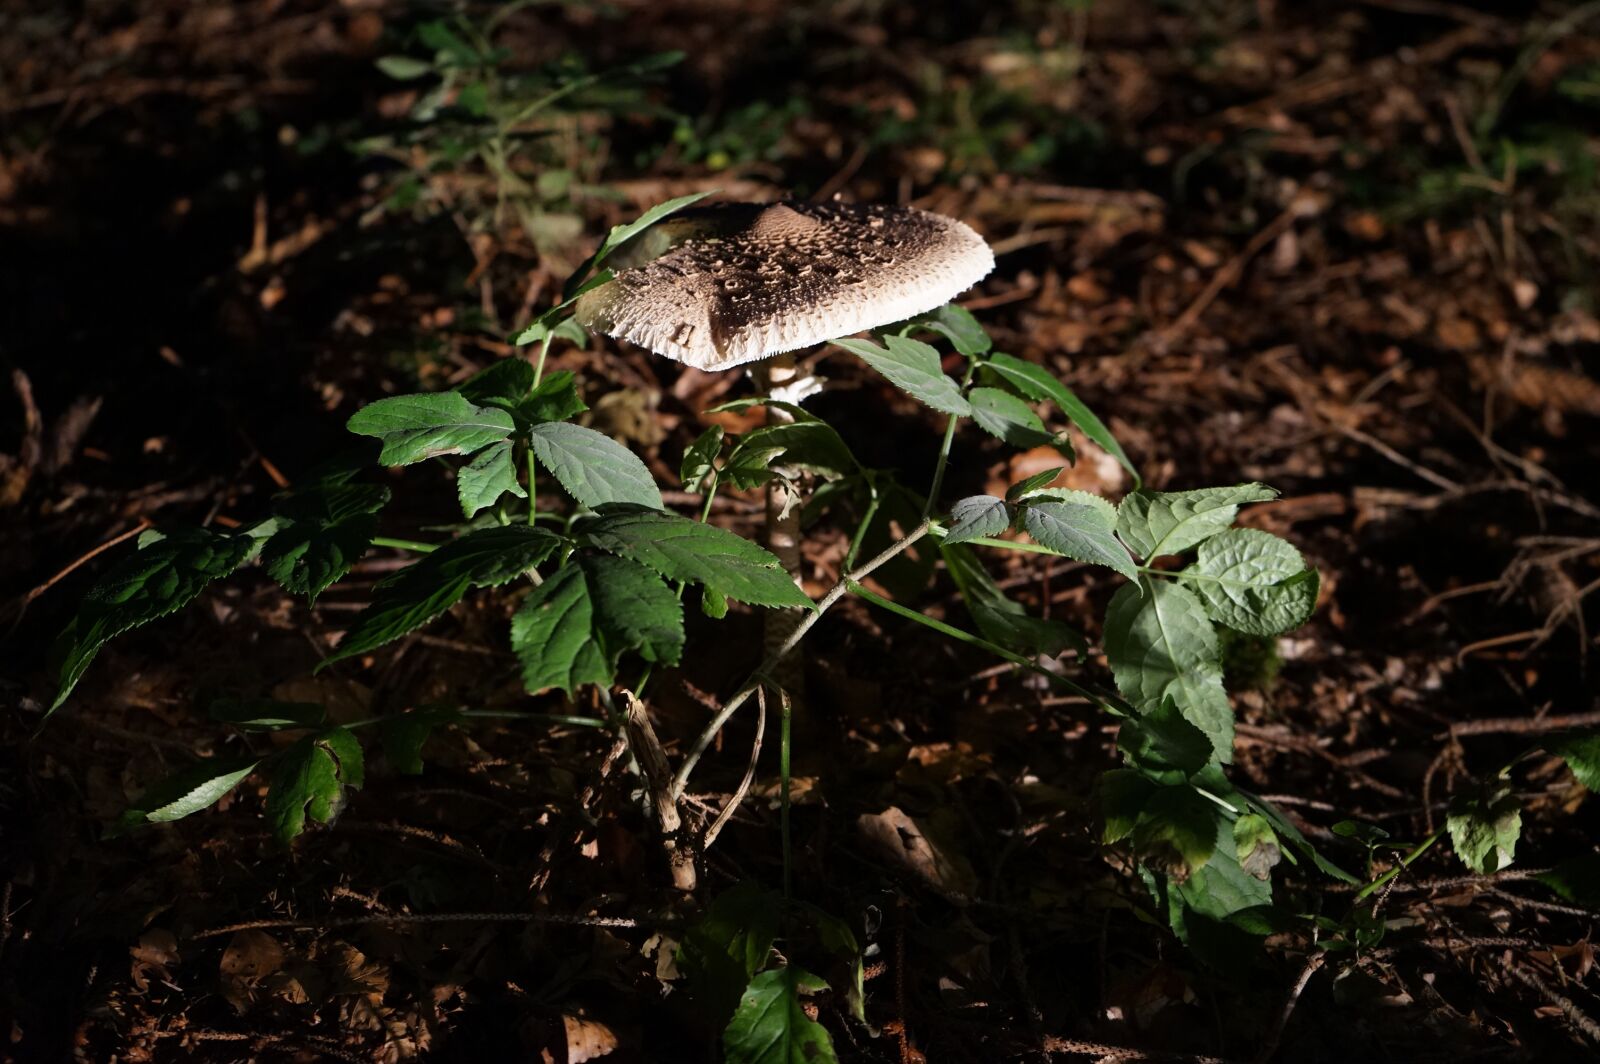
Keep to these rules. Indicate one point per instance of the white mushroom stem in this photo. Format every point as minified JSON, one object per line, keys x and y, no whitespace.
{"x":783,"y":527}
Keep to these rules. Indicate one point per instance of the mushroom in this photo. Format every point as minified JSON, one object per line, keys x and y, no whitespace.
{"x":724,"y":285}
{"x":745,"y":281}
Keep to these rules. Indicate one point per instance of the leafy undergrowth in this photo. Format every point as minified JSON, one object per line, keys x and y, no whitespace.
{"x":1349,"y":256}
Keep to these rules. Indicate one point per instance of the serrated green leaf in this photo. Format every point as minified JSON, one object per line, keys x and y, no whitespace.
{"x":415,"y":427}
{"x":1008,"y":418}
{"x":976,"y":517}
{"x":594,"y":468}
{"x":505,"y":383}
{"x":420,"y":592}
{"x":482,"y":481}
{"x":164,"y":575}
{"x":310,"y":778}
{"x":770,"y":1026}
{"x":954,"y":323}
{"x":320,"y":532}
{"x":197,"y":787}
{"x":1253,"y":582}
{"x":913,"y":367}
{"x":574,"y":627}
{"x":621,"y":234}
{"x":713,"y":603}
{"x":1581,"y":752}
{"x":555,"y":399}
{"x":699,"y":461}
{"x":1000,"y":619}
{"x":1039,"y":384}
{"x":1123,"y":794}
{"x":402,"y":736}
{"x":810,"y":446}
{"x":685,"y":550}
{"x":267,"y":714}
{"x":1484,"y":824}
{"x":1164,"y":745}
{"x":1161,"y":645}
{"x":1155,"y":523}
{"x":1078,"y":530}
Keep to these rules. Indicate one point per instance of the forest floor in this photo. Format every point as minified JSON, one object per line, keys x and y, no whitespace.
{"x":1348,"y":250}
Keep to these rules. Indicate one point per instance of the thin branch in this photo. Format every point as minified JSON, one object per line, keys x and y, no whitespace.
{"x":744,"y":785}
{"x":838,"y":591}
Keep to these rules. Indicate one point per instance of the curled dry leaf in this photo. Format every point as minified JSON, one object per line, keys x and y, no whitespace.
{"x":587,"y":1039}
{"x":902,"y":841}
{"x":251,"y":956}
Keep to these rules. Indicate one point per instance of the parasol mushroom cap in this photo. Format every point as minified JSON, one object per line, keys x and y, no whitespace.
{"x":743,"y":281}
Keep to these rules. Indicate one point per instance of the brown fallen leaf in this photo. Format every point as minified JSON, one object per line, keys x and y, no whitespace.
{"x":902,"y":841}
{"x":587,"y":1039}
{"x":251,"y":956}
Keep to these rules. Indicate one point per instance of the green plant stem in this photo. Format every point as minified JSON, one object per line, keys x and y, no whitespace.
{"x":533,"y":488}
{"x":944,"y":447}
{"x":837,"y":592}
{"x":538,"y":367}
{"x":784,"y":706}
{"x":1405,"y":862}
{"x":503,"y":714}
{"x":1109,"y":701}
{"x":861,"y":532}
{"x":1011,"y":544}
{"x":404,"y":544}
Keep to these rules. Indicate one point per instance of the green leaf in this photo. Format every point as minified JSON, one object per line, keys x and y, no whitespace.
{"x":164,"y":575}
{"x":267,"y":714}
{"x":1008,"y":418}
{"x":1033,"y":483}
{"x":770,"y":1025}
{"x":554,"y":322}
{"x":404,"y":67}
{"x":1000,"y":619}
{"x":576,"y":624}
{"x":1123,"y":794}
{"x":310,"y":778}
{"x":977,"y":516}
{"x":1485,"y":823}
{"x":505,"y":383}
{"x":913,"y":367}
{"x":1160,"y":645}
{"x":1253,"y":582}
{"x":415,"y":427}
{"x":621,"y":234}
{"x":1080,"y":530}
{"x":713,"y":603}
{"x":955,"y":323}
{"x":197,"y":787}
{"x":482,"y":481}
{"x":1223,"y":889}
{"x":1154,"y":523}
{"x":699,"y":461}
{"x":750,"y":467}
{"x":402,"y":736}
{"x":1163,"y":745}
{"x":688,"y":551}
{"x":1581,"y":752}
{"x":729,"y":945}
{"x":811,"y":446}
{"x":1257,"y":846}
{"x":1576,"y":879}
{"x":555,"y":399}
{"x":1298,"y":843}
{"x":1038,"y":384}
{"x":420,"y":592}
{"x":321,"y":531}
{"x":594,"y":468}
{"x":1177,"y":831}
